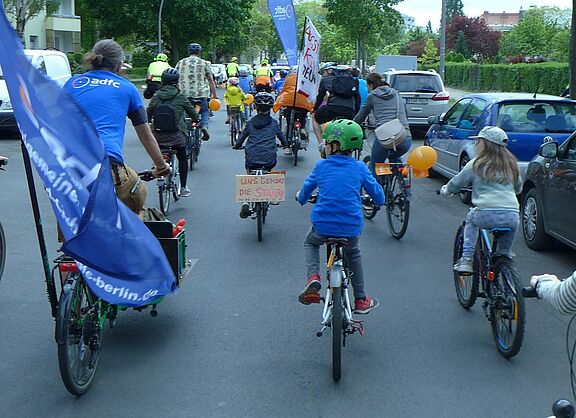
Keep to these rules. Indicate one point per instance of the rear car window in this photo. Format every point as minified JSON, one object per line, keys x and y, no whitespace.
{"x":422,"y":83}
{"x":57,"y":66}
{"x":540,"y":117}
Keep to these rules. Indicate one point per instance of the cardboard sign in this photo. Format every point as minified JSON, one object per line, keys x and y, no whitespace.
{"x":265,"y":188}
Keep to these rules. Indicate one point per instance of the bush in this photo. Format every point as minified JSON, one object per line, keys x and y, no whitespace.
{"x":75,"y":59}
{"x":455,"y":57}
{"x":142,"y":58}
{"x":136,"y":72}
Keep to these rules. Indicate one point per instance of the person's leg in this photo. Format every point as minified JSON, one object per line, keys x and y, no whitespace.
{"x":500,"y":219}
{"x":204,"y":113}
{"x":182,"y":165}
{"x":379,"y":155}
{"x":401,"y":149}
{"x":312,"y":244}
{"x":354,"y":261}
{"x":466,"y":262}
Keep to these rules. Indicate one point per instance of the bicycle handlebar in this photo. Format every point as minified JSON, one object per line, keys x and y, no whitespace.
{"x":529,"y":292}
{"x":146,"y":175}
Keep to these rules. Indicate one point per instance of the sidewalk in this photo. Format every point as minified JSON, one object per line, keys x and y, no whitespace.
{"x":456,"y":94}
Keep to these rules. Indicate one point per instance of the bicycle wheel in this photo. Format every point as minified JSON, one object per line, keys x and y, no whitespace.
{"x":507,"y":311}
{"x":2,"y":250}
{"x":233,"y":128}
{"x":397,"y":206}
{"x":466,"y":285}
{"x":296,"y":146}
{"x":164,"y":195}
{"x":259,"y":219}
{"x":175,"y":178}
{"x":78,"y":334}
{"x":336,"y":333}
{"x":193,"y":149}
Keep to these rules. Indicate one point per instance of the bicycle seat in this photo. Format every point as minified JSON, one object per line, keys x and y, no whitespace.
{"x":168,"y":150}
{"x":498,"y":231}
{"x":337,"y":241}
{"x":258,"y":170}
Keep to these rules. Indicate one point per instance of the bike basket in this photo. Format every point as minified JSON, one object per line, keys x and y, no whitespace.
{"x":174,"y":247}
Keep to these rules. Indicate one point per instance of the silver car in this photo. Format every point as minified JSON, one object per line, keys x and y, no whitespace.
{"x":423,"y":92}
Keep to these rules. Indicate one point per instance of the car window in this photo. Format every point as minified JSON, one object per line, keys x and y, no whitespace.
{"x":57,"y":66}
{"x":423,"y":83}
{"x":536,"y":116}
{"x":453,"y":115}
{"x":471,"y":117}
{"x":571,"y":150}
{"x":41,"y":65}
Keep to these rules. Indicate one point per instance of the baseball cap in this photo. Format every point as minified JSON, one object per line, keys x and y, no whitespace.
{"x":493,"y":134}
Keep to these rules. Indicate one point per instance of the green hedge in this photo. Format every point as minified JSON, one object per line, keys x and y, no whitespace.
{"x":544,"y":78}
{"x":138,"y":72}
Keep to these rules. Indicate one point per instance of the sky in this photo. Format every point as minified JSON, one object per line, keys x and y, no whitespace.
{"x":424,"y":10}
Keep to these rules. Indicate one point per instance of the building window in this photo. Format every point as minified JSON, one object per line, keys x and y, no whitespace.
{"x":33,"y":42}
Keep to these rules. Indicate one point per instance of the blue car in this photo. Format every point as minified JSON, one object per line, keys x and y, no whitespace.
{"x":528,"y":119}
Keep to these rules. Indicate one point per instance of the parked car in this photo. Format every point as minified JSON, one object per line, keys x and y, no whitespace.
{"x":276,"y":70}
{"x":423,"y":92}
{"x":219,"y":72}
{"x":528,"y":120}
{"x":549,"y":195}
{"x":51,"y":62}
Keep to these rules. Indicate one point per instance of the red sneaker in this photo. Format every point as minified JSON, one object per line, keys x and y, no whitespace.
{"x":310,"y":293}
{"x":363,"y":306}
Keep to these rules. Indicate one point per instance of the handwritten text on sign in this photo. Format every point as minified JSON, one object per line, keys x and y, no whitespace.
{"x":265,"y":188}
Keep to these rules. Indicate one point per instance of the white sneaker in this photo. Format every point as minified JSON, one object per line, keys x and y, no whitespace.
{"x":287,"y":151}
{"x":184,"y":192}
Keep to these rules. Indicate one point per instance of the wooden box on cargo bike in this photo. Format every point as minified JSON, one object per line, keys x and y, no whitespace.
{"x":260,"y":189}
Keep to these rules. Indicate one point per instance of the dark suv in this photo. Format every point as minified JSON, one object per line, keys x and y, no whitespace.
{"x":549,"y":195}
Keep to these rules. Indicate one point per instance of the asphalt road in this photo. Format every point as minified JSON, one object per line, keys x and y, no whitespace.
{"x":234,"y":341}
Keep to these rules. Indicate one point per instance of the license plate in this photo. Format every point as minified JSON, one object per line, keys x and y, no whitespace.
{"x":416,"y":101}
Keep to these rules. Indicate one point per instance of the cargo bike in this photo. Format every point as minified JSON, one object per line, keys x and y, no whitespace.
{"x":81,"y":316}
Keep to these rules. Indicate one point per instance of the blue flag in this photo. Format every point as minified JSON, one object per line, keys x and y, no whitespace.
{"x":118,"y":256}
{"x":284,"y":18}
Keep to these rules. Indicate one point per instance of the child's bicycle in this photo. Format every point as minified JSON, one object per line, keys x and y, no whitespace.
{"x":3,"y":162}
{"x":236,"y":123}
{"x":396,"y":180}
{"x":169,"y":185}
{"x":259,"y":210}
{"x":337,"y":311}
{"x":81,"y":316}
{"x":495,"y":279}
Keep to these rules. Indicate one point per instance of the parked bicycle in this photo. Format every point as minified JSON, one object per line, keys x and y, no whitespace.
{"x":3,"y":162}
{"x":495,"y":279}
{"x":169,"y":185}
{"x":81,"y":316}
{"x":236,"y":123}
{"x":396,"y":180}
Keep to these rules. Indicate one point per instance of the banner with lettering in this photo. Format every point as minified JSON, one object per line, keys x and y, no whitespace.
{"x":284,"y":18}
{"x":309,"y":63}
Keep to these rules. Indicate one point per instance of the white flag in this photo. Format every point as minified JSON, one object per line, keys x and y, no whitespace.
{"x":309,"y":63}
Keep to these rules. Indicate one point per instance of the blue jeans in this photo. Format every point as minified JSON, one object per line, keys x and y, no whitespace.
{"x":380,"y":154}
{"x":204,"y":110}
{"x":312,"y":244}
{"x":490,"y":218}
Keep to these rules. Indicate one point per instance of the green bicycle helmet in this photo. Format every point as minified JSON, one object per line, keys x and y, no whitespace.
{"x":161,"y":57}
{"x":346,"y":132}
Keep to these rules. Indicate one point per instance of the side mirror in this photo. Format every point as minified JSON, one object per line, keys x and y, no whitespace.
{"x":548,"y":150}
{"x":433,"y":120}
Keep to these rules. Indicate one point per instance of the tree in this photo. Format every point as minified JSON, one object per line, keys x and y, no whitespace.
{"x":454,"y":8}
{"x":481,"y":40}
{"x":24,"y":10}
{"x":430,"y":56}
{"x":461,"y":45}
{"x":429,"y":27}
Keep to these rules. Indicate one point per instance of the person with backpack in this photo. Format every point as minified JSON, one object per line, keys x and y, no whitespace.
{"x":343,"y":101}
{"x":168,"y":109}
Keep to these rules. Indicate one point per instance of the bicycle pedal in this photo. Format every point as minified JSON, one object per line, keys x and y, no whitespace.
{"x":358,"y":326}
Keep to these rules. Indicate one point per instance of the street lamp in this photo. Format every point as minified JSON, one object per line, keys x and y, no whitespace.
{"x":160,"y":27}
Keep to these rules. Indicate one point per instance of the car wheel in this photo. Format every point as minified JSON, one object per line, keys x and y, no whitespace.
{"x":466,"y":195}
{"x":533,"y":222}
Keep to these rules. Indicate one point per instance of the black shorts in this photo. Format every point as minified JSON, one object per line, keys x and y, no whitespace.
{"x":263,"y":87}
{"x":329,"y":113}
{"x":299,"y":113}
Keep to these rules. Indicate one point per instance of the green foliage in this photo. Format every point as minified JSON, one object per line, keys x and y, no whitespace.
{"x":24,"y":11}
{"x":542,"y":31}
{"x":454,"y":8}
{"x":544,"y":78}
{"x":462,"y":45}
{"x":455,"y":57}
{"x":75,"y":59}
{"x":142,"y":58}
{"x":430,"y":56}
{"x":138,"y":72}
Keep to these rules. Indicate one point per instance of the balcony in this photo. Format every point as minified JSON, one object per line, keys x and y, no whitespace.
{"x":63,"y":23}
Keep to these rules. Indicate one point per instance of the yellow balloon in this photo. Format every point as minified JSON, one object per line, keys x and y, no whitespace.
{"x":214,"y":104}
{"x":422,"y":158}
{"x":249,"y":99}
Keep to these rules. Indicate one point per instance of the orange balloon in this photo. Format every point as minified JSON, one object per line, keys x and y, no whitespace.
{"x":214,"y":104}
{"x":422,"y":158}
{"x":249,"y":99}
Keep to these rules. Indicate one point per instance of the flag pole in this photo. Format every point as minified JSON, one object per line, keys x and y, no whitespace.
{"x":50,"y":285}
{"x":293,"y":111}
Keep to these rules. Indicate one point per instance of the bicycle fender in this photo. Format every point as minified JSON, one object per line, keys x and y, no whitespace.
{"x":65,"y":297}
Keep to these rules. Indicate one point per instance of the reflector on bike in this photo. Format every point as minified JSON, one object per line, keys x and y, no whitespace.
{"x":382,"y":169}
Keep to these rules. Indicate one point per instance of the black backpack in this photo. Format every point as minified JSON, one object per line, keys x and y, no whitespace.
{"x":344,"y":86}
{"x":164,"y":117}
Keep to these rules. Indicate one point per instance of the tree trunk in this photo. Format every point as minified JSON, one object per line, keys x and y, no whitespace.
{"x":572,"y":54}
{"x":175,"y":51}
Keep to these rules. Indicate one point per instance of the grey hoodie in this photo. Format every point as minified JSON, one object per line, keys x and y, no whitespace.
{"x":383,"y":103}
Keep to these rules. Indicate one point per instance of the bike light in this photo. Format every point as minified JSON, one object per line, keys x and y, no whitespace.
{"x":491,"y":276}
{"x":68,"y":267}
{"x":166,"y":157}
{"x":297,"y":125}
{"x":441,"y":96}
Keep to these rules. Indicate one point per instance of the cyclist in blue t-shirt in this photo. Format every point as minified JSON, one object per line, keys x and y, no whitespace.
{"x":107,"y":98}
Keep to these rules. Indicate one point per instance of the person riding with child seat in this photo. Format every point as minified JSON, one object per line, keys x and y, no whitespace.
{"x":167,"y":110}
{"x":234,"y":98}
{"x":263,"y":77}
{"x":343,"y":98}
{"x":496,"y":180}
{"x":107,"y":102}
{"x":154,"y":74}
{"x":338,"y":211}
{"x":260,"y":132}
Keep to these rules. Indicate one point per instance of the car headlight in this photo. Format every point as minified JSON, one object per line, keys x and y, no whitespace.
{"x":7,"y":105}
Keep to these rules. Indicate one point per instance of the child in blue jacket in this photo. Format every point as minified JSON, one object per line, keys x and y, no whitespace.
{"x":338,"y":211}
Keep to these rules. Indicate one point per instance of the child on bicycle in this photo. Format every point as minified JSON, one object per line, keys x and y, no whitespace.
{"x":337,"y":213}
{"x":495,"y":179}
{"x":234,"y":97}
{"x":261,"y":132}
{"x":168,"y":108}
